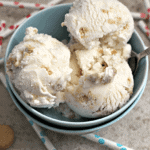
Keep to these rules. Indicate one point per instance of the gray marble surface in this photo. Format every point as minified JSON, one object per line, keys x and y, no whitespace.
{"x":132,"y":131}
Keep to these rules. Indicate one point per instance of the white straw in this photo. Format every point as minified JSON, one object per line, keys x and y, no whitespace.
{"x":42,"y":135}
{"x":16,"y":4}
{"x":11,"y":29}
{"x":105,"y":142}
{"x":144,"y":28}
{"x":147,"y":5}
{"x":36,"y":6}
{"x":137,"y":15}
{"x":2,"y":25}
{"x":54,"y":2}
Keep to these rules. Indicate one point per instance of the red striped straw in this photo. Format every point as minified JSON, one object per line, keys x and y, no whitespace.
{"x":147,"y":7}
{"x":137,"y":15}
{"x":144,"y":28}
{"x":16,"y":4}
{"x":2,"y":25}
{"x":12,"y":28}
{"x":36,"y":6}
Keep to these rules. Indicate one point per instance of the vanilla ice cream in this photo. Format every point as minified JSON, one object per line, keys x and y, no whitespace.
{"x":101,"y":80}
{"x":39,"y":69}
{"x":96,"y":22}
{"x":91,"y":63}
{"x":90,"y":74}
{"x":96,"y":100}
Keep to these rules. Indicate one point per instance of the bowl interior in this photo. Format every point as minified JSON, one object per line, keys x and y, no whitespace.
{"x":49,"y":21}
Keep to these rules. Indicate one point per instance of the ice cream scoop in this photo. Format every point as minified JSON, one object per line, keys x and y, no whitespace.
{"x":39,"y":69}
{"x":96,"y":22}
{"x":91,"y":62}
{"x":96,"y":100}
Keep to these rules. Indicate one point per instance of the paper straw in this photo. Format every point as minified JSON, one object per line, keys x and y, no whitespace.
{"x":137,"y":15}
{"x":2,"y":25}
{"x":142,"y":25}
{"x":42,"y":135}
{"x":147,"y":6}
{"x":105,"y":142}
{"x":12,"y":28}
{"x":16,"y":4}
{"x":36,"y":6}
{"x":54,"y":2}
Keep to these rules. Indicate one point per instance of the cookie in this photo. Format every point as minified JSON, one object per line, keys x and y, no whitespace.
{"x":6,"y":136}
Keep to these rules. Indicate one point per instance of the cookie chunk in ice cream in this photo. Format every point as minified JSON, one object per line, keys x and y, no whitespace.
{"x":95,"y":22}
{"x":39,"y":69}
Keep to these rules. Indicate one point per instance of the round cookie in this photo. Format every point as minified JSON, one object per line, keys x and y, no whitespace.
{"x":6,"y":136}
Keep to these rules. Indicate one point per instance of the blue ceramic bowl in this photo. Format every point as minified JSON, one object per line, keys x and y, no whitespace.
{"x":49,"y":21}
{"x":66,"y":130}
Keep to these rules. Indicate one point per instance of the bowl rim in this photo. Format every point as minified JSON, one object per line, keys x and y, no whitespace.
{"x":64,"y":123}
{"x":71,"y":131}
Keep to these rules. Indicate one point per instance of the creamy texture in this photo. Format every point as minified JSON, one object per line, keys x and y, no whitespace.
{"x":94,"y":100}
{"x":39,"y":69}
{"x":101,"y":81}
{"x":96,"y":22}
{"x":91,"y":63}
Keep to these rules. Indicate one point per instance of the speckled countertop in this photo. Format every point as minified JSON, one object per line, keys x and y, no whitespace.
{"x":132,"y":131}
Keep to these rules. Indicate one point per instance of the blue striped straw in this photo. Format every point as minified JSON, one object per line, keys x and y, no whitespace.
{"x":105,"y":142}
{"x":42,"y":135}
